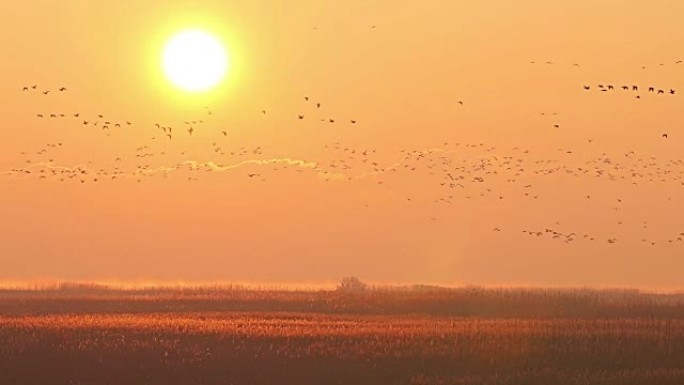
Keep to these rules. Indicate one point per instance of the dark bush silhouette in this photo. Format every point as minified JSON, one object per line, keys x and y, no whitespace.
{"x":352,"y":285}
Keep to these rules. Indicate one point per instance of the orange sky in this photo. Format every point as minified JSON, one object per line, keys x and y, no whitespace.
{"x":304,"y":220}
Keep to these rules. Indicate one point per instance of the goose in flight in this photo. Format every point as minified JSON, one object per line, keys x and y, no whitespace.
{"x":665,"y":135}
{"x":300,"y":117}
{"x":62,"y":89}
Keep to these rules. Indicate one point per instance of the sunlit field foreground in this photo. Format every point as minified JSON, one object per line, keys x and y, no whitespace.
{"x":419,"y":335}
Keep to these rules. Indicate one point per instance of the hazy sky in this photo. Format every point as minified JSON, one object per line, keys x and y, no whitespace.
{"x":314,"y":211}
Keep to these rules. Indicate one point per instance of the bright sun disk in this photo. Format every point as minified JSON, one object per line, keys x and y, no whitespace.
{"x":194,"y":60}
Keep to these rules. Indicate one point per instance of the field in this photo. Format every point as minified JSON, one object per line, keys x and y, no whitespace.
{"x":416,"y":335}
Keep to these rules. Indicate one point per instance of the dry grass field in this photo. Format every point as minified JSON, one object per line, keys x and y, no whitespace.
{"x":418,"y":335}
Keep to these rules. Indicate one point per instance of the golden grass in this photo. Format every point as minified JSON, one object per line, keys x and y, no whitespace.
{"x":326,"y":337}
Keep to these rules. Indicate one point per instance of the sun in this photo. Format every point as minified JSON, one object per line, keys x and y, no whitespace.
{"x":194,"y":60}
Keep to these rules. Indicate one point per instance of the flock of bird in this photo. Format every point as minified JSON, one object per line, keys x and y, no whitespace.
{"x":634,"y":88}
{"x":459,"y":172}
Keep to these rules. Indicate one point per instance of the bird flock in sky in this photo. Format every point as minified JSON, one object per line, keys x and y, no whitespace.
{"x":458,"y":172}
